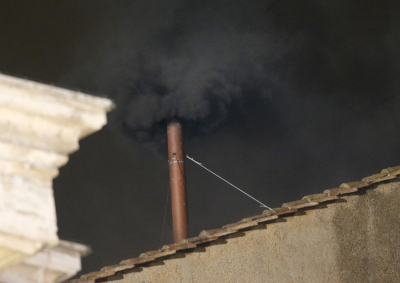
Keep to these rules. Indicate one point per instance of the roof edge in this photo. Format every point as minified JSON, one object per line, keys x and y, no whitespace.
{"x":209,"y":236}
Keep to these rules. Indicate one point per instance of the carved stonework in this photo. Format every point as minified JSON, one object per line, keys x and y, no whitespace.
{"x":54,"y":264}
{"x":39,"y":126}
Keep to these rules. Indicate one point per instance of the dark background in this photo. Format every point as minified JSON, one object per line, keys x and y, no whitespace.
{"x":282,"y":98}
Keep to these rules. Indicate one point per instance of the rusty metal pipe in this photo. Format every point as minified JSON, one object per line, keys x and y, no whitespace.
{"x":177,"y":178}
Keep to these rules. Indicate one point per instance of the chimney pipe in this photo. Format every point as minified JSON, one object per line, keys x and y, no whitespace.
{"x":177,"y":179}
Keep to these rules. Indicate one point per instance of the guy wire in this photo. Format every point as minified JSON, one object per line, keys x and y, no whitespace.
{"x":165,"y":216}
{"x":201,"y":165}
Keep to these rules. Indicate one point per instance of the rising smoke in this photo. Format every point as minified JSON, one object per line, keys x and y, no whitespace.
{"x":193,"y":60}
{"x":200,"y":61}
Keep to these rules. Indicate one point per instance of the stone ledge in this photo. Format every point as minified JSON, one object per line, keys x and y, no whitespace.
{"x":61,"y":105}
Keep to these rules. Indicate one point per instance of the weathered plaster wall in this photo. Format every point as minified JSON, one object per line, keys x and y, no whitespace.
{"x":355,"y":239}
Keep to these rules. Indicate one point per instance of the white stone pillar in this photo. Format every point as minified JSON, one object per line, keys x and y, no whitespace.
{"x":39,"y":126}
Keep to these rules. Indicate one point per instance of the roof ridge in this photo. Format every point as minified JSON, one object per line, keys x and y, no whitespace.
{"x":208,"y":236}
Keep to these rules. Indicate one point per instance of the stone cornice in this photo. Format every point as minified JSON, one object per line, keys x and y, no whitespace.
{"x":39,"y":126}
{"x":54,"y":113}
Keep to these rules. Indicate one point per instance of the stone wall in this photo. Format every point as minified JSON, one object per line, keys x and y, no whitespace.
{"x":353,"y":239}
{"x":39,"y":126}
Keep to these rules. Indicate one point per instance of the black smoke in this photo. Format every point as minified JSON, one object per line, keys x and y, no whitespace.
{"x":201,"y":61}
{"x":197,"y":61}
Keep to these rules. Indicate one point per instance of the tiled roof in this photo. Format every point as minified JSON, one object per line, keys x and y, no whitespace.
{"x":208,"y":236}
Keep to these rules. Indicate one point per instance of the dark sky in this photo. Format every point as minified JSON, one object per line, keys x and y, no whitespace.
{"x":282,"y":98}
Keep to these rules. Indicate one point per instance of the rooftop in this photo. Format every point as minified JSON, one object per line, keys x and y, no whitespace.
{"x":209,"y":236}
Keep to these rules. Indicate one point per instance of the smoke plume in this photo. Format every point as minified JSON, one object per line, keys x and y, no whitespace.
{"x":199,"y":61}
{"x":190,"y":60}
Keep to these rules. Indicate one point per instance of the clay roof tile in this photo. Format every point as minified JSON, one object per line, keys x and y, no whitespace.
{"x":217,"y":232}
{"x":380,"y":177}
{"x":280,"y":211}
{"x":241,"y":225}
{"x":324,"y":197}
{"x":91,"y":277}
{"x":118,"y":267}
{"x":261,"y":218}
{"x":340,"y":191}
{"x":392,"y":170}
{"x":357,"y":185}
{"x":299,"y":204}
{"x":179,"y":246}
{"x":157,"y":253}
{"x":138,"y":260}
{"x":268,"y":212}
{"x":200,"y":240}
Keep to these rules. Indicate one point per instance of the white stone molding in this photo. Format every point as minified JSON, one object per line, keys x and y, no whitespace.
{"x":39,"y":126}
{"x":51,"y":265}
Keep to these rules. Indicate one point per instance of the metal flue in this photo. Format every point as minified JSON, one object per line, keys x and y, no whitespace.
{"x":177,"y":179}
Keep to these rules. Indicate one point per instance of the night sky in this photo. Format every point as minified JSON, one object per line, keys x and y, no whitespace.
{"x":282,"y":98}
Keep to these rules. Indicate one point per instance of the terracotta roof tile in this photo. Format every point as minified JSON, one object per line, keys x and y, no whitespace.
{"x":356,"y":185}
{"x":340,"y":191}
{"x":91,"y":277}
{"x":380,"y":177}
{"x":241,"y":225}
{"x":138,"y":260}
{"x":217,"y":232}
{"x":267,"y":218}
{"x":392,"y":170}
{"x":251,"y":218}
{"x":157,"y":253}
{"x":268,"y":212}
{"x":206,"y":236}
{"x":324,"y":197}
{"x":280,"y":211}
{"x":200,"y":240}
{"x":179,"y":247}
{"x":299,"y":204}
{"x":118,"y":267}
{"x":261,"y":218}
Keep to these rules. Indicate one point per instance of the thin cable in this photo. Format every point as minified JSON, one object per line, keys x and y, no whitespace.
{"x":165,"y":216}
{"x":201,"y":165}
